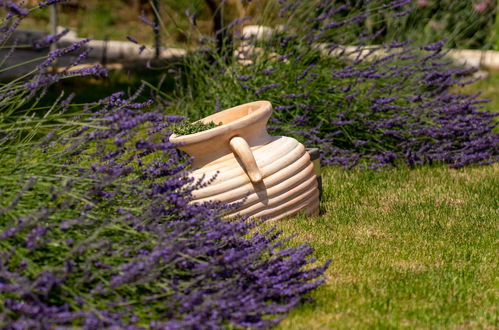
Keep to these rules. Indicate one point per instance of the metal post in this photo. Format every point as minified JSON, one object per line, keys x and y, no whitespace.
{"x":224,"y":37}
{"x":157,"y":37}
{"x":53,"y":23}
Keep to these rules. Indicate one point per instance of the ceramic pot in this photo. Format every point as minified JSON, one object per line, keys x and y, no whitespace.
{"x":271,"y":176}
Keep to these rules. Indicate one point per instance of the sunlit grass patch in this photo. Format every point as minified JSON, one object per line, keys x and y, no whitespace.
{"x":409,"y":248}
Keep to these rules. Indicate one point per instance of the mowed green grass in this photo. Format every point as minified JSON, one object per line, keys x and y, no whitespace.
{"x":410,"y":249}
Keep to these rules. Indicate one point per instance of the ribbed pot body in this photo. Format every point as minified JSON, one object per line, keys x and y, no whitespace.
{"x":267,"y":176}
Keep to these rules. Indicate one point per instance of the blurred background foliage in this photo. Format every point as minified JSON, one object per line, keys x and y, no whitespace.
{"x":189,"y":24}
{"x":464,"y":23}
{"x":114,"y":19}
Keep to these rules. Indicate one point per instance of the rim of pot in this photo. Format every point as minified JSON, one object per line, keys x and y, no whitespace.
{"x":262,"y":109}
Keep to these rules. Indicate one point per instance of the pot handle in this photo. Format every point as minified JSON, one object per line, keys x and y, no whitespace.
{"x":240,"y":147}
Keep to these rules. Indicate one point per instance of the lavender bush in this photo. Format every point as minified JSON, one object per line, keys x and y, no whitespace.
{"x":129,"y":249}
{"x":96,"y":228}
{"x":372,"y":106}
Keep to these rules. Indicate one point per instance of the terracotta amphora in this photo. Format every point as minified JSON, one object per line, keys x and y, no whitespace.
{"x":269,"y":176}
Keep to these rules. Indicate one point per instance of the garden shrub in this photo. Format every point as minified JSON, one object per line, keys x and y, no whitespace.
{"x":364,"y":105}
{"x":96,"y":228}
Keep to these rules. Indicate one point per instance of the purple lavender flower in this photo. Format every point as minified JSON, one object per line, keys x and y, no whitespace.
{"x":265,"y":88}
{"x":143,"y":18}
{"x":437,"y":46}
{"x":132,"y":39}
{"x":244,"y":78}
{"x":95,"y":71}
{"x":50,"y":39}
{"x":8,"y":29}
{"x":13,"y":8}
{"x":46,"y":3}
{"x":294,"y":96}
{"x":268,"y":71}
{"x":238,"y":21}
{"x":243,"y":85}
{"x":305,"y":72}
{"x":57,"y":53}
{"x":403,"y":13}
{"x":284,"y":57}
{"x":191,"y":17}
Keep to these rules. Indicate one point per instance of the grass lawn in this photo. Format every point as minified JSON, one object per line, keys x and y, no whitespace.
{"x":409,"y":249}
